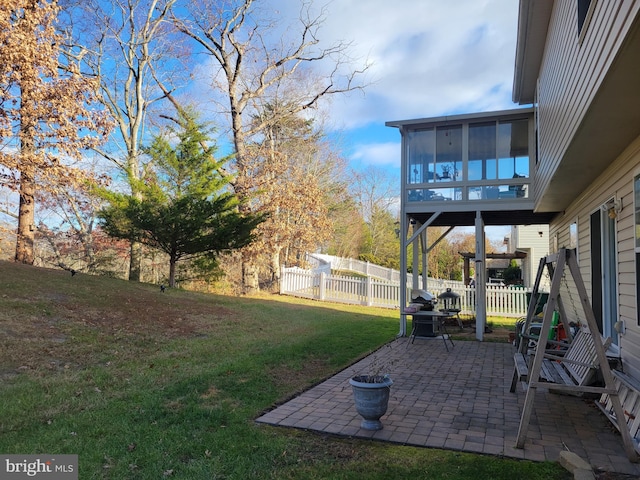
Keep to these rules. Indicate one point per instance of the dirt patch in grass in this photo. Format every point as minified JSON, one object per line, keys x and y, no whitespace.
{"x":312,"y":448}
{"x":493,"y":332}
{"x":50,"y":320}
{"x":299,"y":377}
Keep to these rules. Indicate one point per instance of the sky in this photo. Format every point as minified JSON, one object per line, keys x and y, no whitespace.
{"x":429,"y":58}
{"x":426,"y":58}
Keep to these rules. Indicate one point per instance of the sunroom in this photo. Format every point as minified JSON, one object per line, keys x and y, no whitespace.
{"x":464,"y":170}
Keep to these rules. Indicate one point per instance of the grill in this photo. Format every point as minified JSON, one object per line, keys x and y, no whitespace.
{"x":425,"y":299}
{"x":450,"y":301}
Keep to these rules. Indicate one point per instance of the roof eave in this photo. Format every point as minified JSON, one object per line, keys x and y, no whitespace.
{"x":460,"y":118}
{"x":533,"y":23}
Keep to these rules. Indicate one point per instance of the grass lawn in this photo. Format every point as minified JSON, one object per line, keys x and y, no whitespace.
{"x":498,"y":328}
{"x":149,"y":385}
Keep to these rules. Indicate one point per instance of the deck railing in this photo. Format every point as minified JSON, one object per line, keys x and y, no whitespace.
{"x":501,"y":300}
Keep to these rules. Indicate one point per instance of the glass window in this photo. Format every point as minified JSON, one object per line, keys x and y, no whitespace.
{"x":494,"y":153}
{"x":493,"y":192}
{"x":434,"y":194}
{"x":573,"y":235}
{"x":513,"y":149}
{"x":420,"y":150}
{"x":482,"y":151}
{"x":448,"y":154}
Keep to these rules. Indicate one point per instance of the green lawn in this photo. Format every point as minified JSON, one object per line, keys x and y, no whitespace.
{"x":149,"y":385}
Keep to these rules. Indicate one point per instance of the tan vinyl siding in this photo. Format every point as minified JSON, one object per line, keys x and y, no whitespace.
{"x":572,"y":72}
{"x":529,"y":240}
{"x":528,"y":237}
{"x":616,"y":181}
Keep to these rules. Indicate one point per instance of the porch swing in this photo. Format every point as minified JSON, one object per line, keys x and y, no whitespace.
{"x":561,"y":333}
{"x":573,"y":371}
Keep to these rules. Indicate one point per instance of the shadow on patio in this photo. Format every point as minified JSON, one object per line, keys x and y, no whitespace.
{"x":459,"y":400}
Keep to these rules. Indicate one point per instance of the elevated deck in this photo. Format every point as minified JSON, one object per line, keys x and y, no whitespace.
{"x":466,"y":170}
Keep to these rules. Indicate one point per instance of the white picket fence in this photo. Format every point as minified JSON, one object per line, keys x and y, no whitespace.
{"x":353,"y":265}
{"x":320,"y":285}
{"x":328,"y":263}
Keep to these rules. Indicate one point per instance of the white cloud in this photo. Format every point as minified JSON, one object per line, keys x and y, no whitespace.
{"x":379,"y":154}
{"x":429,"y":57}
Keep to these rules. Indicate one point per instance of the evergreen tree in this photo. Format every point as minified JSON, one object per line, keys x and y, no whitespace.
{"x":185,"y":209}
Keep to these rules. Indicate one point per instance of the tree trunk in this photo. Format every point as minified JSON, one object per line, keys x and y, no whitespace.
{"x":249,"y":275}
{"x":275,"y":266}
{"x":135,"y":249}
{"x":86,"y":238}
{"x":26,"y":210}
{"x":26,"y":218}
{"x":135,"y":262}
{"x":172,"y":271}
{"x":250,"y":280}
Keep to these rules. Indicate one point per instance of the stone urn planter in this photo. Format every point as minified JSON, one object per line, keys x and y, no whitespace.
{"x":371,"y":396}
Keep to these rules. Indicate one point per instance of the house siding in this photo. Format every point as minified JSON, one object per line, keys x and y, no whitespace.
{"x":616,"y":181}
{"x":528,"y":238}
{"x":571,"y":73}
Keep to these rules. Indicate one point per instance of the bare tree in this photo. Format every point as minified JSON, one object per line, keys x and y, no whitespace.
{"x":67,"y":223}
{"x":129,"y":46}
{"x":348,"y":233}
{"x":376,"y":192}
{"x":255,"y":64}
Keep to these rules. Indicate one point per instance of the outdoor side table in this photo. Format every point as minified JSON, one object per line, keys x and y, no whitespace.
{"x":433,"y":319}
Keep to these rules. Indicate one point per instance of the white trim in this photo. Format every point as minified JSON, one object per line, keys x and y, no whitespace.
{"x":611,"y":277}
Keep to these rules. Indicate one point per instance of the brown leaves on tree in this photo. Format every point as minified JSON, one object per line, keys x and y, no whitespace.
{"x":45,"y":118}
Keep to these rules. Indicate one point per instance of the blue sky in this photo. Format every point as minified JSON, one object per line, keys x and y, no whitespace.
{"x":429,"y":58}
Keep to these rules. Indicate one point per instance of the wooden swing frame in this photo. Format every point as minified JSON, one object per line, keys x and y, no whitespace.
{"x":556,"y":264}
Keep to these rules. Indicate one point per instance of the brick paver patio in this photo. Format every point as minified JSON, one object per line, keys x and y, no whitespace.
{"x":459,"y":400}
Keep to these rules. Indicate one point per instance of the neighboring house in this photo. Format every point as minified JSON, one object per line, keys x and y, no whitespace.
{"x":533,"y":240}
{"x":572,"y":161}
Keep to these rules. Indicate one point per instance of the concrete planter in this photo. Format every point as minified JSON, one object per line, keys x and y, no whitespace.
{"x":371,"y":396}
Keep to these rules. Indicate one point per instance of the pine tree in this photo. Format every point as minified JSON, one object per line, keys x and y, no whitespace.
{"x":185,"y":209}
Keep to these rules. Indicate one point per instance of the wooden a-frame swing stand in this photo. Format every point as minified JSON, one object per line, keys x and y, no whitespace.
{"x":555,"y":265}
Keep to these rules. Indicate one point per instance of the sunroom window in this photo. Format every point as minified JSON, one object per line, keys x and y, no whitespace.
{"x":482,"y":160}
{"x":482,"y":151}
